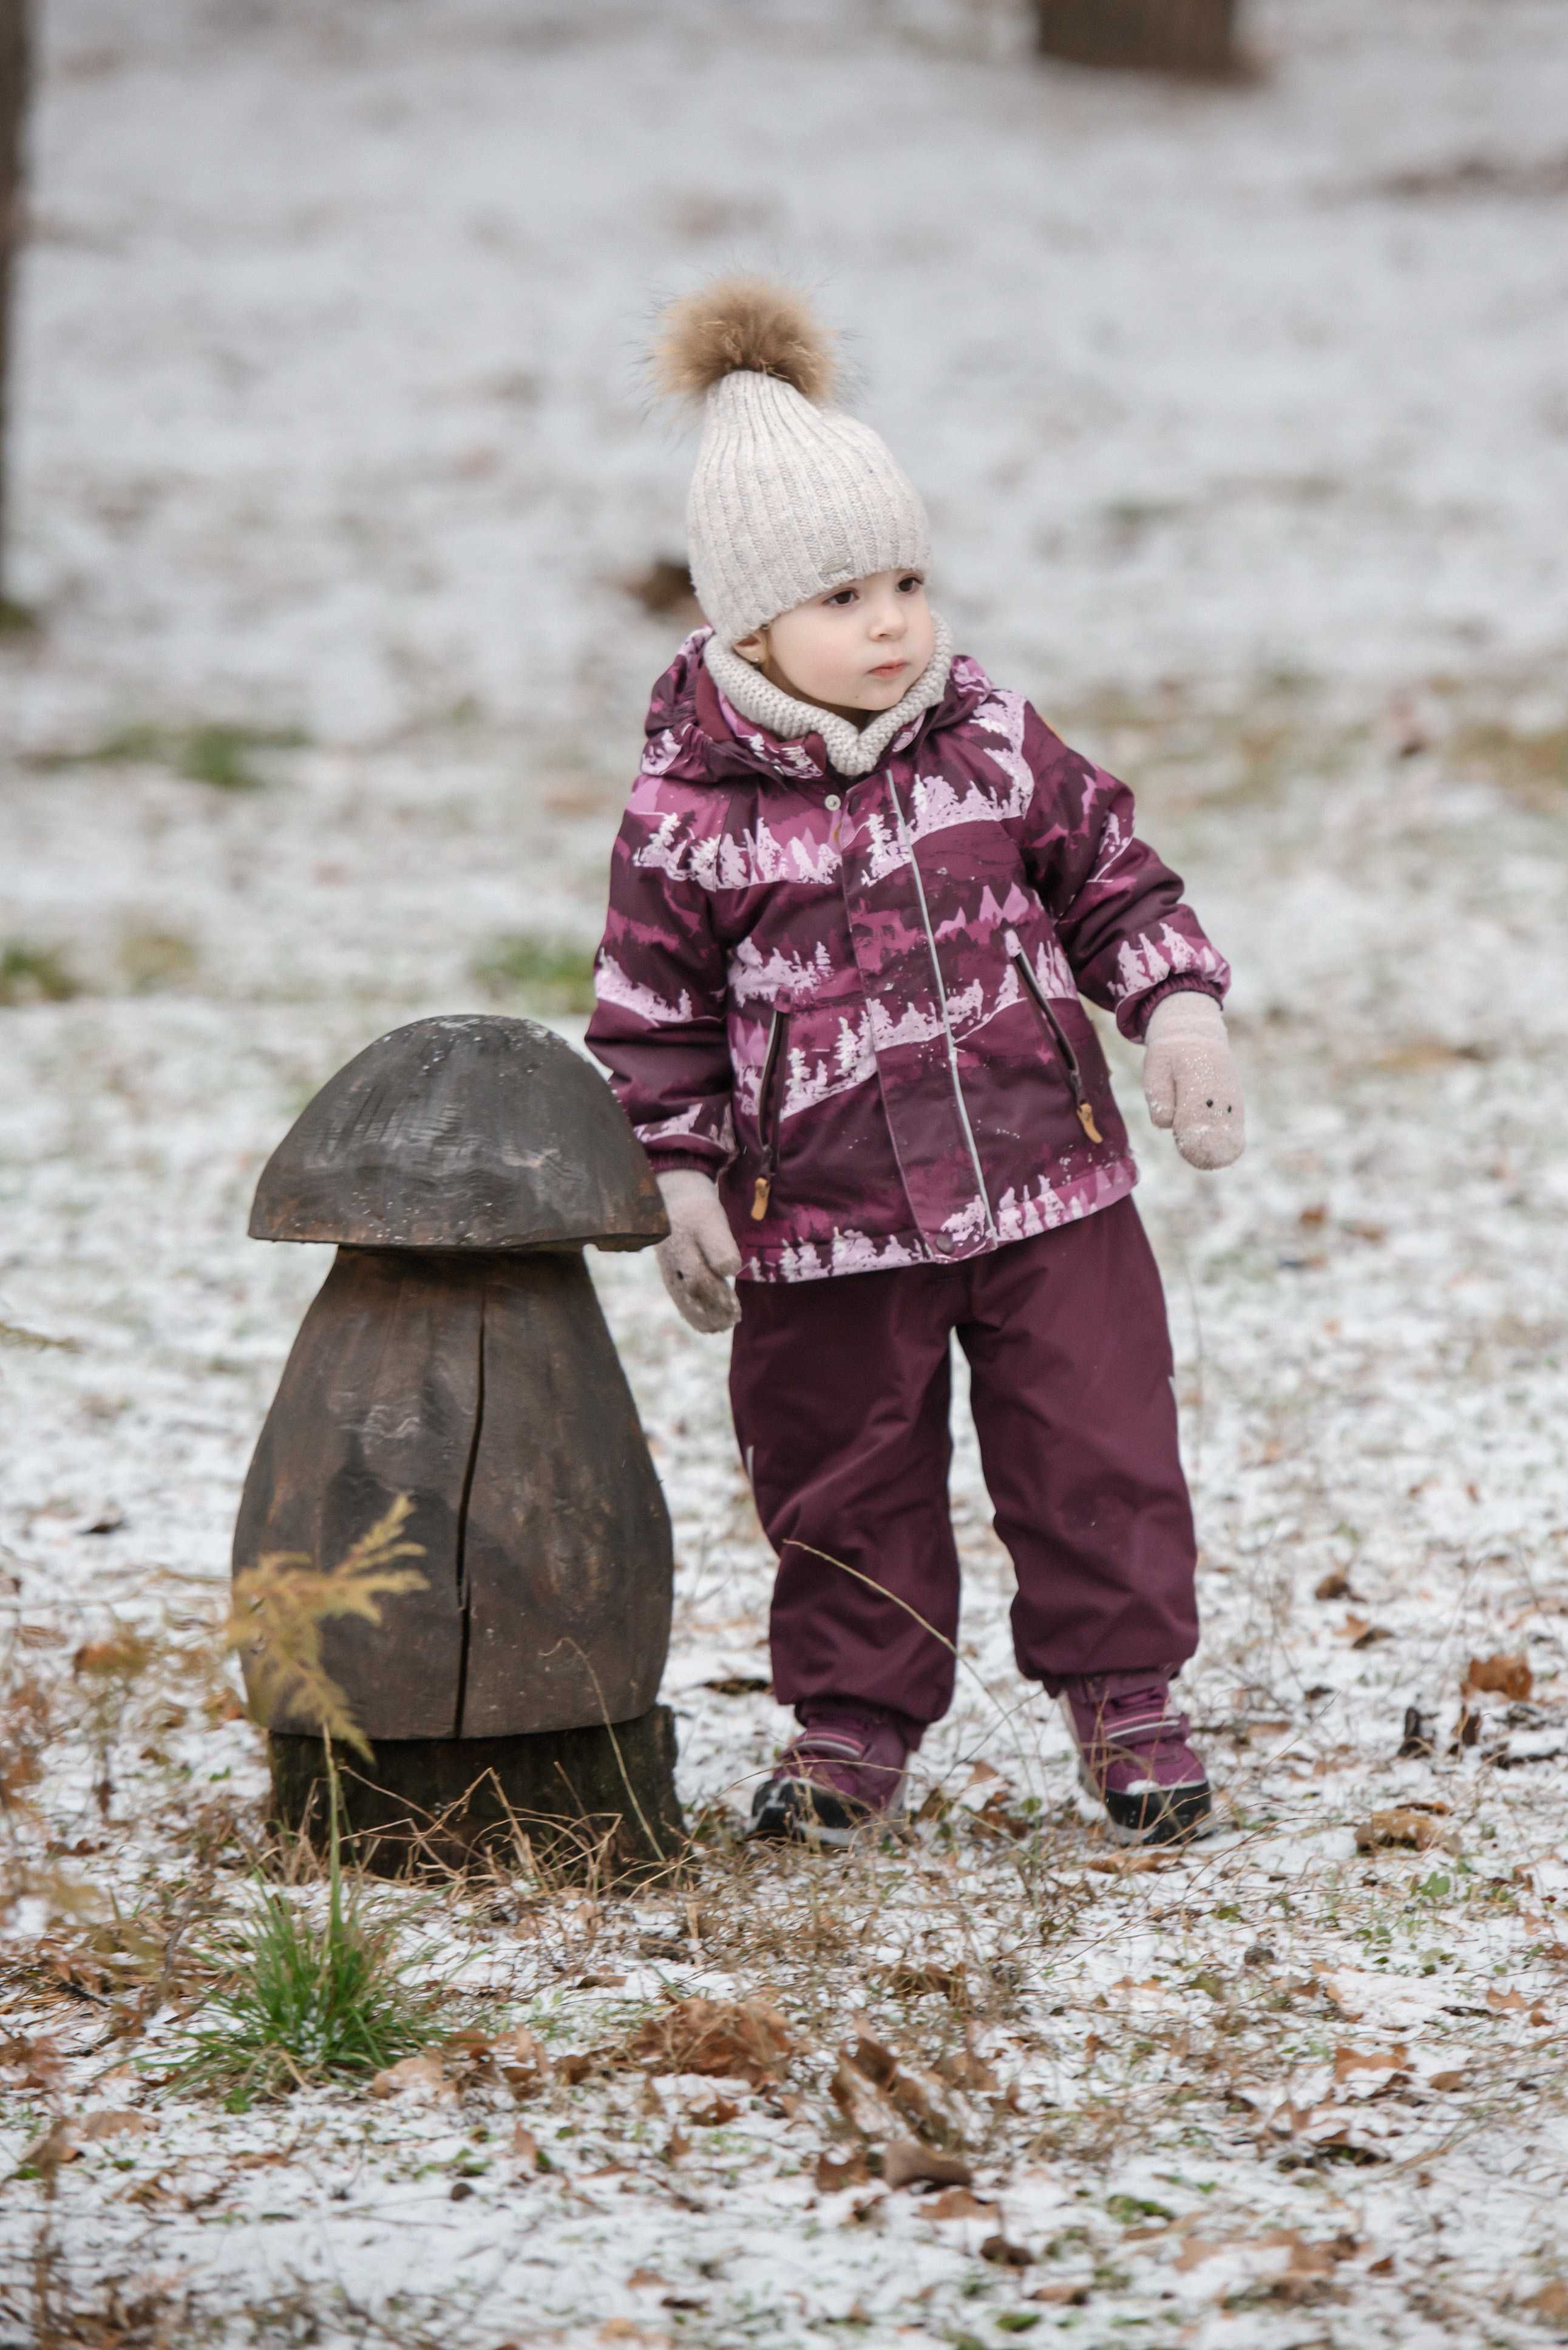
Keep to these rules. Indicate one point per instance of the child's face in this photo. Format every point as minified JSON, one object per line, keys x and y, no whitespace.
{"x":855,"y":650}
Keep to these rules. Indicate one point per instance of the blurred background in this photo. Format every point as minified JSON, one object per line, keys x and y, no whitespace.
{"x":332,"y":465}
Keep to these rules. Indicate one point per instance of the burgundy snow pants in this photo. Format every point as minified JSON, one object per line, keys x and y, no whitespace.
{"x":841,"y":1391}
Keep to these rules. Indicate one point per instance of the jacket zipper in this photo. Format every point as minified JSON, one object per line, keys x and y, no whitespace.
{"x":908,"y":848}
{"x":767,"y":1117}
{"x":1054,"y":1028}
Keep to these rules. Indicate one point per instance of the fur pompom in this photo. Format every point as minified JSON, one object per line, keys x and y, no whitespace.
{"x":741,"y":324}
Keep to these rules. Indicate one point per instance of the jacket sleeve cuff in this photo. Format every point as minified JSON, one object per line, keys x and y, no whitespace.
{"x":669,"y":1162}
{"x":1133,"y":1017}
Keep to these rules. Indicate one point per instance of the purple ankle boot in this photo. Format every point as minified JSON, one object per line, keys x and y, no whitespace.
{"x":844,"y":1771}
{"x":1133,"y":1756}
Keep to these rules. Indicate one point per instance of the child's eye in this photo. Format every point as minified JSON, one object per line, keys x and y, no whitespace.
{"x":844,"y":596}
{"x":909,"y":583}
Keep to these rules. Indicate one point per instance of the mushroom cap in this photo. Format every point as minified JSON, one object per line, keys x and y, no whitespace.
{"x":469,"y":1132}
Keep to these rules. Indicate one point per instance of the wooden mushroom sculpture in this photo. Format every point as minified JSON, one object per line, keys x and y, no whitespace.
{"x":456,"y":1354}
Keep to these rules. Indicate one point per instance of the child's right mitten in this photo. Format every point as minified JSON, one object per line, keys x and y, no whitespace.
{"x":1189,"y":1079}
{"x":699,"y":1259}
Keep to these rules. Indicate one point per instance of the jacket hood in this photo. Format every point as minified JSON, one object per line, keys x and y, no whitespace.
{"x":695,"y":735}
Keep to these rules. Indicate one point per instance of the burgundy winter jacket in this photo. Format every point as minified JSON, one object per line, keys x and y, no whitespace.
{"x":855,"y":1003}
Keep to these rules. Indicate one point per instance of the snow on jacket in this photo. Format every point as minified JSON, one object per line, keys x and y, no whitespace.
{"x":855,"y":1003}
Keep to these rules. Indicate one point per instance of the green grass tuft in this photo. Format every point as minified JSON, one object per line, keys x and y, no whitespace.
{"x":307,"y":2001}
{"x":212,"y":752}
{"x":31,"y":974}
{"x":553,"y":974}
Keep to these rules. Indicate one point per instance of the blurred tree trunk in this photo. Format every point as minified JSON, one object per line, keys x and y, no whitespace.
{"x":16,"y":61}
{"x":1180,"y":37}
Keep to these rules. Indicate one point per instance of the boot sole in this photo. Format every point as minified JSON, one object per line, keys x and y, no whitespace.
{"x":1181,"y":1816}
{"x":789,"y":1814}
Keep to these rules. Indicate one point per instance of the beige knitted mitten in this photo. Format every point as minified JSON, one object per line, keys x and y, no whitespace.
{"x":1189,"y":1079}
{"x":699,"y":1259}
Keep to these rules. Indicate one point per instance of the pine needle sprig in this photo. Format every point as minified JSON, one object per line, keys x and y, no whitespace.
{"x":279,"y":1606}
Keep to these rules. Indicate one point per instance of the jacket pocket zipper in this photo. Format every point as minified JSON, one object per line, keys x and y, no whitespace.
{"x":767,"y":1117}
{"x":1058,"y":1035}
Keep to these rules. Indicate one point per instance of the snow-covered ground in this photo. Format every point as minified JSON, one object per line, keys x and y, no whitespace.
{"x":1248,"y":457}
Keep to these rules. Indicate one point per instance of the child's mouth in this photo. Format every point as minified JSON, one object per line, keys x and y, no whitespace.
{"x":890,"y":668}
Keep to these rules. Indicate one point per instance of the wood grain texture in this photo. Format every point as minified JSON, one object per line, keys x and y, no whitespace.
{"x":571,"y":1792}
{"x":567,"y":1546}
{"x":488,"y":1389}
{"x":468,"y":1132}
{"x":380,"y":1396}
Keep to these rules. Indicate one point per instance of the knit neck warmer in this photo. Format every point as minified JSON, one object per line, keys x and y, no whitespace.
{"x":853,"y":750}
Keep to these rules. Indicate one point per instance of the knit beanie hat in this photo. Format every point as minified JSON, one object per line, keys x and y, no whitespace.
{"x":789,"y":497}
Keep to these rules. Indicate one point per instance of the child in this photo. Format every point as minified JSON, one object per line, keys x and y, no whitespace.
{"x":856,"y":894}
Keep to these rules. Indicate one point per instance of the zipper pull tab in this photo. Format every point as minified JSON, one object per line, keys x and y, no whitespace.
{"x":764,"y":1192}
{"x":1086,"y":1119}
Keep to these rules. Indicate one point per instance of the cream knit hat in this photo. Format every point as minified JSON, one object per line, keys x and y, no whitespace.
{"x":789,"y":497}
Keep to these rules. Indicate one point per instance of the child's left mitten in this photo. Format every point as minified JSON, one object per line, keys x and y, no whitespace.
{"x":1189,"y":1079}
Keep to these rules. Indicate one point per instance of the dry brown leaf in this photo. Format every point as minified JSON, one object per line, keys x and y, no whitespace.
{"x":914,"y":1981}
{"x":905,"y":2163}
{"x":958,"y":2203}
{"x":123,"y":1656}
{"x":1507,"y":2002}
{"x":922,"y":2098}
{"x":522,"y":2061}
{"x":1403,"y":1829}
{"x":1005,"y":2253}
{"x":961,"y":2069}
{"x":713,"y":2116}
{"x":113,"y":2124}
{"x":1551,"y":2302}
{"x":1446,"y":2081}
{"x":1136,"y":1863}
{"x":648,"y":2277}
{"x":412,"y":2072}
{"x":832,"y":2175}
{"x":863,"y":2106}
{"x":1499,"y":1676}
{"x":526,"y":2145}
{"x":740,"y":2039}
{"x":1349,"y":2062}
{"x":57,"y":2145}
{"x":1072,"y":2296}
{"x":1334,"y":1586}
{"x":1305,"y":2259}
{"x":996,"y":1818}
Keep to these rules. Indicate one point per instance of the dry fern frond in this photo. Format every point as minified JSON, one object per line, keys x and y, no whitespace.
{"x":739,"y":325}
{"x":279,"y":1606}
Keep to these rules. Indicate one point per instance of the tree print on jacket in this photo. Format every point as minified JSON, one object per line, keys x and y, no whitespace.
{"x":864,"y":1019}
